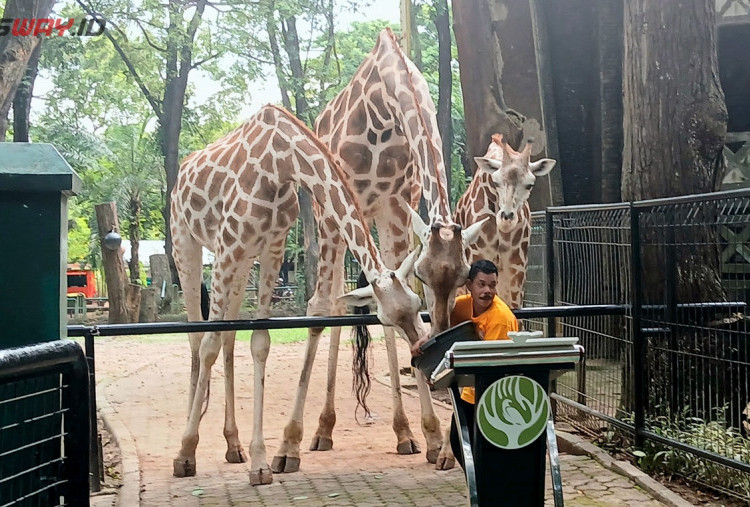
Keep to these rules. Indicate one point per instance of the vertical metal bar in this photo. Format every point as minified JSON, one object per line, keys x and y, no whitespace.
{"x":549,"y":258}
{"x":639,"y":349}
{"x":95,"y":465}
{"x":670,"y":311}
{"x":550,"y":261}
{"x":554,"y":463}
{"x":77,"y":432}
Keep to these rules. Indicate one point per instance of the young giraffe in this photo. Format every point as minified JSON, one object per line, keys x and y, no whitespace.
{"x":238,"y":198}
{"x":500,"y":191}
{"x":382,"y":129}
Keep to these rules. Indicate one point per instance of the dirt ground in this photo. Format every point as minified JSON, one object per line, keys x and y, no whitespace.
{"x":124,"y":363}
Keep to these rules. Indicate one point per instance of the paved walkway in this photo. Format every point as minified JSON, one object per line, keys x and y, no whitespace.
{"x":142,"y":385}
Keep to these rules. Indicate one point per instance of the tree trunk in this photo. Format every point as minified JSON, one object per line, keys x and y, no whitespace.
{"x":22,"y":99}
{"x":15,"y":52}
{"x":674,"y":112}
{"x":161,"y":280}
{"x":135,"y":239}
{"x":291,"y":45}
{"x":674,"y":124}
{"x":123,"y":298}
{"x":445,"y":84}
{"x":149,"y":304}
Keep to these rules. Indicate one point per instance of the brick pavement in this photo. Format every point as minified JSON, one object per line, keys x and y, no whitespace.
{"x":143,"y":384}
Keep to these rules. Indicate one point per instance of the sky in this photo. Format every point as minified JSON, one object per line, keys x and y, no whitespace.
{"x":264,"y":91}
{"x":267,"y":90}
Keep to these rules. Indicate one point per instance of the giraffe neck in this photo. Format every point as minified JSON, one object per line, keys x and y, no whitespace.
{"x":317,"y":170}
{"x":410,"y":98}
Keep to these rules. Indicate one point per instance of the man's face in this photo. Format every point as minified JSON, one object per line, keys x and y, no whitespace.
{"x":483,"y":289}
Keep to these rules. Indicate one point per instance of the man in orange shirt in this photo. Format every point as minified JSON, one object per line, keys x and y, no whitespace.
{"x":492,"y":319}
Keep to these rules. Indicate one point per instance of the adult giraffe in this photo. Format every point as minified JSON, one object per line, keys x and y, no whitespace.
{"x":382,"y":129}
{"x":238,"y":198}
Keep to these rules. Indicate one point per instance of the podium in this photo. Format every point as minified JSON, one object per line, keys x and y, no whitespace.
{"x":513,"y":425}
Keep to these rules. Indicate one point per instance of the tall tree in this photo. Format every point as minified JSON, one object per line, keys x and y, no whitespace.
{"x":172,"y":36}
{"x":16,"y":51}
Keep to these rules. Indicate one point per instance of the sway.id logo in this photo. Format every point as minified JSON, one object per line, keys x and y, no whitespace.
{"x":513,"y":412}
{"x":25,"y":27}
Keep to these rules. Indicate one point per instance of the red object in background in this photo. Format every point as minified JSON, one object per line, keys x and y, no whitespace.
{"x":81,"y":281}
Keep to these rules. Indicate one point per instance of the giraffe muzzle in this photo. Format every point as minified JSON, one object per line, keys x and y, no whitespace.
{"x":507,"y":216}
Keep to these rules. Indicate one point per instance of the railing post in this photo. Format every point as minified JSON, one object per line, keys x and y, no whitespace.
{"x":549,"y":244}
{"x":95,"y":465}
{"x":639,"y":347}
{"x":79,"y":458}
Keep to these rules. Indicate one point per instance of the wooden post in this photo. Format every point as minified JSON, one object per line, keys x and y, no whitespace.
{"x":124,"y":298}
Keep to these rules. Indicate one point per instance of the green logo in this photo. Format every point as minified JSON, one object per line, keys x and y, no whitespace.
{"x":513,"y":412}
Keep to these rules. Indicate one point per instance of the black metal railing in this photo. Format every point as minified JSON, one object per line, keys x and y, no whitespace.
{"x":674,"y":370}
{"x":44,"y":425}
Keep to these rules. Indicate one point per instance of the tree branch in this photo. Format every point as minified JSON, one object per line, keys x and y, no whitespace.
{"x":201,"y":62}
{"x":148,"y":39}
{"x":154,"y":102}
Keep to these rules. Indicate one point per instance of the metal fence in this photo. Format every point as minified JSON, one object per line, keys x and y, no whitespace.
{"x":44,"y":427}
{"x":674,"y":371}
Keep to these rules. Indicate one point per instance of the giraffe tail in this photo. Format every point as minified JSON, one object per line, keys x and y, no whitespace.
{"x":360,"y":361}
{"x":205,"y":301}
{"x":205,"y":307}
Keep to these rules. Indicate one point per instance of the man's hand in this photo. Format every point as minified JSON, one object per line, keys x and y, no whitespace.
{"x":415,"y":348}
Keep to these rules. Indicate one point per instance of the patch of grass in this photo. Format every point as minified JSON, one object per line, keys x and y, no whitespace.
{"x":279,"y":336}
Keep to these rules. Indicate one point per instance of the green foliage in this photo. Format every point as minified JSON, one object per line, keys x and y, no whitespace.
{"x":714,"y":436}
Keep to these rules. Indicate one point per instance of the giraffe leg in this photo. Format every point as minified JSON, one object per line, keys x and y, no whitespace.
{"x":446,"y":460}
{"x":323,"y":439}
{"x":235,"y":453}
{"x":287,"y":458}
{"x":260,"y":342}
{"x":406,"y":443}
{"x":187,"y":258}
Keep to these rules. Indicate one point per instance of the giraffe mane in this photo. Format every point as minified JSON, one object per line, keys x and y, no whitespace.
{"x":433,"y":150}
{"x":340,"y":172}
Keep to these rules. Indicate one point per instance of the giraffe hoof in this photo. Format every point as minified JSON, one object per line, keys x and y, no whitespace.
{"x":184,"y":467}
{"x":285,"y":464}
{"x":408,"y":447}
{"x":432,"y":455}
{"x":444,"y":463}
{"x":235,"y":456}
{"x":260,"y":477}
{"x":321,"y":443}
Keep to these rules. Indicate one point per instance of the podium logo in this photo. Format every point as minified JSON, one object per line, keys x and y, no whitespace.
{"x":513,"y":412}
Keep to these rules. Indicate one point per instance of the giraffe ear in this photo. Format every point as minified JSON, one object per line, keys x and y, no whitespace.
{"x":542,"y":166}
{"x":363,"y":296}
{"x":489,"y":165}
{"x":418,"y":226}
{"x":471,"y":233}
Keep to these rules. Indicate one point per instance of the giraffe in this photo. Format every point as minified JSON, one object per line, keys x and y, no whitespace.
{"x":500,"y":191}
{"x":382,"y":129}
{"x":238,"y":198}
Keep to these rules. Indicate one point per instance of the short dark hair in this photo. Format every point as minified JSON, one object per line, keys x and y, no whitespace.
{"x":482,"y":266}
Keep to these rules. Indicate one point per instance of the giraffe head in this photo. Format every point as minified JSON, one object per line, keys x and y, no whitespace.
{"x":442,"y":265}
{"x":397,"y":304}
{"x":513,"y":175}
